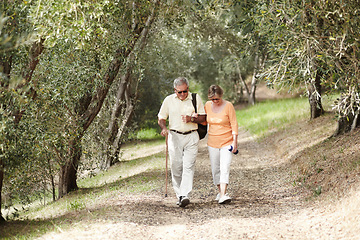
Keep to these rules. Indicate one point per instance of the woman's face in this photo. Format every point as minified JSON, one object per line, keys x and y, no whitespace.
{"x":216,"y":99}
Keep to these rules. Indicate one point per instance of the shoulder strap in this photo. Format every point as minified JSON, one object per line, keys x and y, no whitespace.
{"x":194,"y":101}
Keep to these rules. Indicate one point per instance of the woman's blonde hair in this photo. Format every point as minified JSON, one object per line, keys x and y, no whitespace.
{"x":215,"y":90}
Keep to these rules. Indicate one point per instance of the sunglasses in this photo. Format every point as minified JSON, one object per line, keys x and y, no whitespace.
{"x":180,"y":92}
{"x":215,"y":99}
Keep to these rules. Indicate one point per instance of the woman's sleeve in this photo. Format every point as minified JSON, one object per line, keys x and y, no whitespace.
{"x":233,"y":120}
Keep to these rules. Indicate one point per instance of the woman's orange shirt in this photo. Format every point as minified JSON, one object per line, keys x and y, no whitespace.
{"x":222,"y":125}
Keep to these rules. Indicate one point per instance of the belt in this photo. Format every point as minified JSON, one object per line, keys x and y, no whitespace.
{"x":183,"y":133}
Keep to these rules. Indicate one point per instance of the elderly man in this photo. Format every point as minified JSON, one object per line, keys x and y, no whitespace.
{"x":183,"y":138}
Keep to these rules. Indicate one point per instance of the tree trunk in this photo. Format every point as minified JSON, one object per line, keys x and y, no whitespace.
{"x":52,"y":181}
{"x":251,"y":96}
{"x":113,"y":127}
{"x":347,"y":123}
{"x":5,"y":65}
{"x":241,"y":79}
{"x":129,"y":110}
{"x":125,"y":111}
{"x":34,"y":57}
{"x":259,"y":64}
{"x":314,"y":95}
{"x":250,"y":93}
{"x":67,"y":179}
{"x":1,"y":183}
{"x":123,"y":93}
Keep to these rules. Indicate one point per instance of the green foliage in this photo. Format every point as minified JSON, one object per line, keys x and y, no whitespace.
{"x":15,"y":30}
{"x":148,"y":134}
{"x":24,"y":173}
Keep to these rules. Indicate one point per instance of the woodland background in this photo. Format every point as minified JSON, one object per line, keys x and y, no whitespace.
{"x":81,"y":78}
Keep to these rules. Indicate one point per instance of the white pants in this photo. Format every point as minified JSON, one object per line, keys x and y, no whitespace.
{"x":220,"y":159}
{"x":183,"y":150}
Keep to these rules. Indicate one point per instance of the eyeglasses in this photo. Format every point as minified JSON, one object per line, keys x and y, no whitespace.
{"x":180,"y":92}
{"x":215,"y":99}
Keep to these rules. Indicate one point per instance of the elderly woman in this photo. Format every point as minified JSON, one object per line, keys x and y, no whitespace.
{"x":222,"y":139}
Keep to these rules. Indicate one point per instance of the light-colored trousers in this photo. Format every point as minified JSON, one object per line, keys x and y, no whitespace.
{"x":183,"y":150}
{"x":220,"y":159}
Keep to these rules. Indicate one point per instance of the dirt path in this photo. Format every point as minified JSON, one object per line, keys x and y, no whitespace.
{"x":265,"y":205}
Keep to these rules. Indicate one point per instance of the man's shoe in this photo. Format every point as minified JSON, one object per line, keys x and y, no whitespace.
{"x":179,"y":200}
{"x":225,"y":199}
{"x":184,"y":201}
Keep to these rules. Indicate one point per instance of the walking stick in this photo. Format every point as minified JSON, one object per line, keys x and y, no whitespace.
{"x":166,"y":165}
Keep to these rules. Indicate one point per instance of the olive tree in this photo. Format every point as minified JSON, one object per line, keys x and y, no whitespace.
{"x":19,"y":53}
{"x":314,"y":44}
{"x":90,"y":43}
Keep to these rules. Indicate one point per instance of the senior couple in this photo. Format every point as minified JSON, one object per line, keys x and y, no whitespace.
{"x":183,"y":138}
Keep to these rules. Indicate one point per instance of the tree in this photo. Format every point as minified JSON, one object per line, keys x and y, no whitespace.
{"x":318,"y":47}
{"x":293,"y":30}
{"x":233,"y":26}
{"x":88,"y":42}
{"x":124,"y":95}
{"x":15,"y":86}
{"x":304,"y":43}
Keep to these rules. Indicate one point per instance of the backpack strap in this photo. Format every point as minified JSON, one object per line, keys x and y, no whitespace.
{"x":194,"y":101}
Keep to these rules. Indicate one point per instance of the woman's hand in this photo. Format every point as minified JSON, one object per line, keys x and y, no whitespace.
{"x":234,"y":144}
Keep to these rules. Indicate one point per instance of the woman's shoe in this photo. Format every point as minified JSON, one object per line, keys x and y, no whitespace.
{"x":217,"y":197}
{"x":224,"y":199}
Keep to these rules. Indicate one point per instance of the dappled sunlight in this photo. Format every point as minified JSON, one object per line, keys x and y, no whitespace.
{"x":268,"y":200}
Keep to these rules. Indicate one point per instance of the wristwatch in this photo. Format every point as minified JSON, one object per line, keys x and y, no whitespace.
{"x":192,"y":119}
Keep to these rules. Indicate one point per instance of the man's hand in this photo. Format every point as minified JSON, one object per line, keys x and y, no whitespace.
{"x":195,"y":118}
{"x":164,"y":130}
{"x":187,"y":118}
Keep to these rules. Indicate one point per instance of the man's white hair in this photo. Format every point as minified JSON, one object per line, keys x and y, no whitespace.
{"x":180,"y":81}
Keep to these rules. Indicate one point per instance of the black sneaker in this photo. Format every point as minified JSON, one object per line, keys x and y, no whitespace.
{"x":183,"y":201}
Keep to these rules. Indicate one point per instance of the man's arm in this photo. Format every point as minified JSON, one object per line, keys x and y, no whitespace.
{"x":196,"y":118}
{"x":162,"y":124}
{"x":199,"y":119}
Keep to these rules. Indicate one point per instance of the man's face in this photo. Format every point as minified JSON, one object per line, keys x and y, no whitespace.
{"x":182,"y":91}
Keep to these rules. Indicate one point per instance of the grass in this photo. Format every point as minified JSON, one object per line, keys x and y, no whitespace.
{"x":129,"y":177}
{"x":271,"y":115}
{"x":148,"y":134}
{"x":123,"y":170}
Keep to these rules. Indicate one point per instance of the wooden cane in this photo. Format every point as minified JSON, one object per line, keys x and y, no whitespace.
{"x":166,"y":165}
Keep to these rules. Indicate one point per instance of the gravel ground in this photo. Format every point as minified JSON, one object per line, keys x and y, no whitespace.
{"x":265,"y":205}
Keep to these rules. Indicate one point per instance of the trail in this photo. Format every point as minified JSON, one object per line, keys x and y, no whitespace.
{"x":265,"y":205}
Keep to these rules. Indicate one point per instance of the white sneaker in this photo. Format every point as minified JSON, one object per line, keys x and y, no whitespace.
{"x":217,"y":197}
{"x":224,"y":199}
